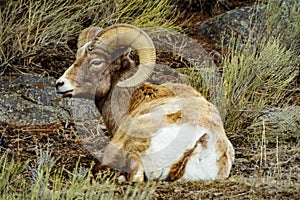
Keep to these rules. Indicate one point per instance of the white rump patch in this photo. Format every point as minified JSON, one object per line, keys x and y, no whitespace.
{"x":167,"y":147}
{"x":202,"y":165}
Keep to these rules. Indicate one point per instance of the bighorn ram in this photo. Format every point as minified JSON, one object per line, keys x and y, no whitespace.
{"x":159,"y":131}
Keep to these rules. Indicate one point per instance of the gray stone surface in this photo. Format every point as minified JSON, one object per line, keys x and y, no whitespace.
{"x":258,"y":21}
{"x":278,"y":122}
{"x":32,"y":100}
{"x":238,"y":22}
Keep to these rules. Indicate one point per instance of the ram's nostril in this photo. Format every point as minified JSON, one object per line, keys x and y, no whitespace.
{"x":58,"y":84}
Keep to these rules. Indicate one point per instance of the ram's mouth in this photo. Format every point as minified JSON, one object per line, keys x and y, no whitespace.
{"x":66,"y":94}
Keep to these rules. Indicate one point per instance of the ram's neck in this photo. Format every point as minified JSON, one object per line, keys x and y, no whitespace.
{"x":114,"y":107}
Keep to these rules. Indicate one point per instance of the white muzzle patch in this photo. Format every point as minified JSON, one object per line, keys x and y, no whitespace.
{"x":63,"y":86}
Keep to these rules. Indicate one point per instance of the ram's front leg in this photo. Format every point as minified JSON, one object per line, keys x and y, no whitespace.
{"x":128,"y":163}
{"x":135,"y":169}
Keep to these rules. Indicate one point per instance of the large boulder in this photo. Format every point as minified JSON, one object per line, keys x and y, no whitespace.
{"x":237,"y":22}
{"x":277,"y":19}
{"x":32,"y":100}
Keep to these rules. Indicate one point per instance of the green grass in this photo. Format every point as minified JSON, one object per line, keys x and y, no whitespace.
{"x":40,"y":179}
{"x":255,"y":80}
{"x":260,"y":75}
{"x":10,"y":178}
{"x":145,"y":14}
{"x":282,"y":21}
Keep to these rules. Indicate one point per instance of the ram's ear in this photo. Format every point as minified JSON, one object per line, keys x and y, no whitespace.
{"x":124,"y":61}
{"x":127,"y":61}
{"x":87,"y":35}
{"x":128,"y":52}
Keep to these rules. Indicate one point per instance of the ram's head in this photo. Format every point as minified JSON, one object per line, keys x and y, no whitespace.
{"x":102,"y":57}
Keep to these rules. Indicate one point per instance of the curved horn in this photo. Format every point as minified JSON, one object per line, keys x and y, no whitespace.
{"x":87,"y":35}
{"x":125,"y":35}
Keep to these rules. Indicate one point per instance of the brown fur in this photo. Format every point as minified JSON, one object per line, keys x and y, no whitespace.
{"x":203,"y":141}
{"x":123,"y":109}
{"x":135,"y":164}
{"x":147,"y":93}
{"x":178,"y":169}
{"x":225,"y":154}
{"x":135,"y":138}
{"x":123,"y":153}
{"x":174,"y":118}
{"x":151,"y":92}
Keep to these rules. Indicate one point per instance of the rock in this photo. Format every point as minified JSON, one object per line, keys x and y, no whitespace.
{"x":235,"y":22}
{"x":32,"y":100}
{"x":278,"y":18}
{"x":181,"y":46}
{"x":278,"y":122}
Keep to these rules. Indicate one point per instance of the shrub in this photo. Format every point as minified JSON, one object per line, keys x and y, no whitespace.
{"x":254,"y":80}
{"x":262,"y":73}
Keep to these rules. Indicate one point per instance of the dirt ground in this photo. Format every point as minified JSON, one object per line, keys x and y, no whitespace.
{"x":270,"y":171}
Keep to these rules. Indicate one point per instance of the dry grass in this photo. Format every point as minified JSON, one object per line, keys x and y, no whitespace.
{"x":31,"y":34}
{"x":258,"y":173}
{"x":28,"y":29}
{"x":41,"y":179}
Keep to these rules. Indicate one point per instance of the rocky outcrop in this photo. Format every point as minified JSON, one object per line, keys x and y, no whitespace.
{"x":283,"y":123}
{"x":277,"y":19}
{"x":32,"y":100}
{"x":237,"y":22}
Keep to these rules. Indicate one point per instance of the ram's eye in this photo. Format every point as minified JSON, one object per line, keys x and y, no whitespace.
{"x":96,"y":62}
